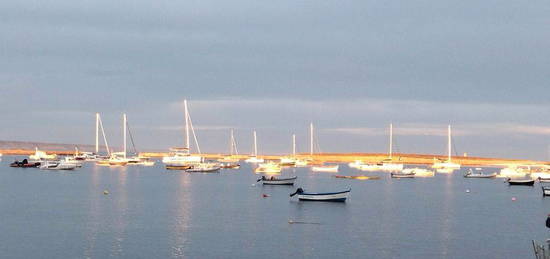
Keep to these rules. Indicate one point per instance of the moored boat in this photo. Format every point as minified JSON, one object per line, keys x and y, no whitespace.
{"x":204,"y":168}
{"x":230,"y":165}
{"x":268,"y":168}
{"x":326,"y":196}
{"x":402,"y":175}
{"x":545,"y":190}
{"x":471,"y":174}
{"x":527,"y":182}
{"x":57,"y":165}
{"x":178,"y":167}
{"x":419,"y":172}
{"x":544,"y":179}
{"x":325,"y":168}
{"x":24,"y":164}
{"x":272,"y":180}
{"x":358,"y":177}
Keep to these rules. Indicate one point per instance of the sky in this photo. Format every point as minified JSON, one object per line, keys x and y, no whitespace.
{"x":350,"y":67}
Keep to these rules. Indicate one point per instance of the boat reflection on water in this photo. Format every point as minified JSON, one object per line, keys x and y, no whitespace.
{"x":182,"y":207}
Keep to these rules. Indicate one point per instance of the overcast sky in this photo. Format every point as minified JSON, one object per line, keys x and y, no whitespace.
{"x":351,"y":67}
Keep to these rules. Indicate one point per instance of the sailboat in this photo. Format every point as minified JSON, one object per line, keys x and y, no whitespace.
{"x":111,"y":159}
{"x":447,"y":166}
{"x":333,"y":168}
{"x":389,"y":165}
{"x":254,"y":158}
{"x":181,"y":156}
{"x":41,"y":155}
{"x":136,"y":159}
{"x":232,"y":151}
{"x":290,"y":160}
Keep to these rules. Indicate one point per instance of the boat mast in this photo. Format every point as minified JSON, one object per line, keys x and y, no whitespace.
{"x":391,"y":140}
{"x":311,"y":139}
{"x":124,"y":122}
{"x":255,"y":145}
{"x":186,"y":127}
{"x":293,"y":145}
{"x":449,"y":143}
{"x":97,"y":133}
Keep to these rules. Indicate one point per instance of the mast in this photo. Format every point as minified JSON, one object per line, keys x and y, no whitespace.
{"x":186,"y":127}
{"x":311,"y":139}
{"x":231,"y":142}
{"x":124,"y":122}
{"x":449,"y":143}
{"x":97,"y":133}
{"x":391,"y":140}
{"x":293,"y":145}
{"x":255,"y":145}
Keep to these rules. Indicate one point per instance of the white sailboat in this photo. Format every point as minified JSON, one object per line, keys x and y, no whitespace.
{"x":447,"y":166}
{"x":41,"y":155}
{"x":254,"y":158}
{"x":332,"y":168}
{"x":182,"y":156}
{"x":390,"y":166}
{"x":290,"y":160}
{"x":233,"y":153}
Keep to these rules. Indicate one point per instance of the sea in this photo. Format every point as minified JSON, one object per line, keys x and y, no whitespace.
{"x":150,"y":212}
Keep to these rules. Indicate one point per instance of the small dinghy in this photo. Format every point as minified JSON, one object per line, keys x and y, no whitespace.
{"x":327,"y":196}
{"x":272,"y":180}
{"x":178,"y":167}
{"x":24,"y":164}
{"x":403,"y":175}
{"x":470,"y":174}
{"x":528,"y":182}
{"x":230,"y":166}
{"x":544,"y":179}
{"x":358,"y":177}
{"x":545,"y":190}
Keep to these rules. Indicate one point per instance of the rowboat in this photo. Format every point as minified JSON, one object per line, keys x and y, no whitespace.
{"x":178,"y":167}
{"x":357,"y":177}
{"x":327,"y":196}
{"x":277,"y":181}
{"x":545,"y":190}
{"x":470,"y":174}
{"x":230,"y":166}
{"x":402,"y":175}
{"x":325,"y":168}
{"x":528,"y":182}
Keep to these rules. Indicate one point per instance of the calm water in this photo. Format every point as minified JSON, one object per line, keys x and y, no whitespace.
{"x":154,"y":213}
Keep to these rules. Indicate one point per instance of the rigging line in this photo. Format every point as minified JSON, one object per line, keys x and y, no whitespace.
{"x":235,"y":145}
{"x":131,"y":138}
{"x":194,"y":135}
{"x":104,"y":137}
{"x":454,"y":146}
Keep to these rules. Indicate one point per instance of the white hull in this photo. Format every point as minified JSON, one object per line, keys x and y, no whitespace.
{"x":511,"y":173}
{"x":545,"y":192}
{"x":328,"y":169}
{"x":446,"y":165}
{"x":389,"y":167}
{"x":419,"y":172}
{"x":254,"y":160}
{"x":57,"y":166}
{"x":369,"y":167}
{"x":300,"y":163}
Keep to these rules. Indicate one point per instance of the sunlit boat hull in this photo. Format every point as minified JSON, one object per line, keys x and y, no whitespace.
{"x":278,"y":181}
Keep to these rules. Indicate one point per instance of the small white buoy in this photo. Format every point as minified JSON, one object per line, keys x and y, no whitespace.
{"x":106,"y":192}
{"x":467,"y":190}
{"x":253,"y":185}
